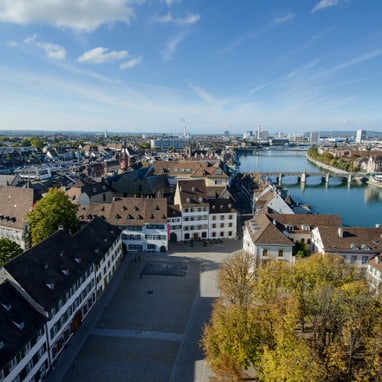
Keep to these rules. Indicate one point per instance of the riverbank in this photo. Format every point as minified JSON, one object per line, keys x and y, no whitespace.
{"x":327,"y":167}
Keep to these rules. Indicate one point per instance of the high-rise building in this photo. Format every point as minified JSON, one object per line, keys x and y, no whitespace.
{"x":360,"y":136}
{"x":314,"y":136}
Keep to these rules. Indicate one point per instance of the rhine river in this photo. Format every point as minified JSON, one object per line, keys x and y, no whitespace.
{"x":357,"y":205}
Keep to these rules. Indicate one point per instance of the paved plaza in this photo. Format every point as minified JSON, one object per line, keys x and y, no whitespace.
{"x":147,"y":325}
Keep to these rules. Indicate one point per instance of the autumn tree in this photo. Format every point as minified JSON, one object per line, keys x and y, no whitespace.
{"x":51,"y":212}
{"x":276,"y":321}
{"x":8,"y":250}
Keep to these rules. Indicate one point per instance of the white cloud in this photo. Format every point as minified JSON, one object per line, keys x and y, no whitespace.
{"x":171,"y":2}
{"x":172,"y":45}
{"x":281,"y":20}
{"x":131,"y":63}
{"x":189,"y":20}
{"x":51,"y":50}
{"x":203,"y":94}
{"x":72,"y":14}
{"x":100,"y":55}
{"x":12,"y":43}
{"x":323,"y":4}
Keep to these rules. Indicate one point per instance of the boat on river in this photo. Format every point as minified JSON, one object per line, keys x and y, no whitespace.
{"x":376,"y":180}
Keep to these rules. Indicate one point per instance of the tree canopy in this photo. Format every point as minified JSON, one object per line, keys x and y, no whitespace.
{"x":317,"y":315}
{"x":8,"y":250}
{"x":51,"y":212}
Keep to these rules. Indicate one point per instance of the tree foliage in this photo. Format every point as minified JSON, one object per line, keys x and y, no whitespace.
{"x":276,"y":322}
{"x":51,"y":212}
{"x":8,"y":250}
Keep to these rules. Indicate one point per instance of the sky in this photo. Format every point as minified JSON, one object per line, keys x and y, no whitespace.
{"x":132,"y":66}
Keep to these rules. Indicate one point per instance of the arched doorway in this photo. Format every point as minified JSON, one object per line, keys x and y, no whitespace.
{"x":173,"y":237}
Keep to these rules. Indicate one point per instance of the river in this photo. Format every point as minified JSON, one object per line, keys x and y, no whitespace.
{"x":358,"y":205}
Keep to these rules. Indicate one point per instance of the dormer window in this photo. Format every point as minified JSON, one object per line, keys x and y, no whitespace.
{"x":50,"y":285}
{"x":201,"y":200}
{"x":77,"y":260}
{"x":65,"y":271}
{"x":20,"y":325}
{"x":188,"y":200}
{"x":7,"y":307}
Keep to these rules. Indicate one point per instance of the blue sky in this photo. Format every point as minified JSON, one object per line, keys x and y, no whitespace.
{"x":148,"y":65}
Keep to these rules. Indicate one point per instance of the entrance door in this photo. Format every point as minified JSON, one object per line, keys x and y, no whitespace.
{"x":196,"y":236}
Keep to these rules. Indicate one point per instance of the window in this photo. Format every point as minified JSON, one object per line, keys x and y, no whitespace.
{"x":281,"y":253}
{"x":187,"y":236}
{"x":365,"y":259}
{"x":214,"y":217}
{"x":308,"y":241}
{"x":353,"y":259}
{"x":230,"y":217}
{"x":265,"y":252}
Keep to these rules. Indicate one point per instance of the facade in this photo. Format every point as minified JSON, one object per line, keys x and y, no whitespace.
{"x":83,"y":194}
{"x":15,"y":203}
{"x":355,"y":244}
{"x":192,"y":199}
{"x":164,"y":144}
{"x":360,"y":136}
{"x":60,"y":279}
{"x":174,"y":218}
{"x":222,"y":219}
{"x":23,"y":340}
{"x":374,"y":273}
{"x":263,"y":240}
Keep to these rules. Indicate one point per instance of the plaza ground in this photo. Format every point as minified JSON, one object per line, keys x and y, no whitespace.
{"x":147,"y":325}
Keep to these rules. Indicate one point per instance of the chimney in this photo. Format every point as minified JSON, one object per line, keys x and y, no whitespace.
{"x":340,"y":232}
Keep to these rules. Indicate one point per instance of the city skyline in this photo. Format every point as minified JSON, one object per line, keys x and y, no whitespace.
{"x":138,"y":66}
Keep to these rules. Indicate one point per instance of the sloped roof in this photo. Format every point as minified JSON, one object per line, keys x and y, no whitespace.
{"x":19,"y":322}
{"x":127,"y":211}
{"x":192,"y":192}
{"x":312,"y":220}
{"x":45,"y":264}
{"x":354,"y":239}
{"x":15,"y":202}
{"x":263,"y":231}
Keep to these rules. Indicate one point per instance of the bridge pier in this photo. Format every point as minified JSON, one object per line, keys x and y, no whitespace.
{"x":350,"y":178}
{"x":280,"y":179}
{"x":327,"y":177}
{"x":303,"y":177}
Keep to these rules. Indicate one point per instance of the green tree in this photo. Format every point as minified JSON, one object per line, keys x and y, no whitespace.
{"x":51,"y":212}
{"x":37,"y":143}
{"x":8,"y":250}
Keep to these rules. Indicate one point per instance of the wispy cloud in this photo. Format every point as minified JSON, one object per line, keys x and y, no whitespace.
{"x":188,"y":20}
{"x":202,"y":93}
{"x":354,"y":61}
{"x":100,"y":55}
{"x":296,"y":72}
{"x":172,"y":46}
{"x":282,"y":20}
{"x":12,"y":43}
{"x":78,"y":15}
{"x":51,"y":50}
{"x":323,"y":4}
{"x":131,"y":63}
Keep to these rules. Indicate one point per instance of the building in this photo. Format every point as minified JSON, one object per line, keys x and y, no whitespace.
{"x":360,"y":136}
{"x":314,"y":137}
{"x":203,"y":218}
{"x":23,"y":340}
{"x":263,"y":240}
{"x":273,"y":235}
{"x":54,"y":284}
{"x":192,"y":199}
{"x":356,"y":245}
{"x":143,"y":221}
{"x":15,"y":203}
{"x":166,"y":143}
{"x":83,"y":193}
{"x":374,"y":273}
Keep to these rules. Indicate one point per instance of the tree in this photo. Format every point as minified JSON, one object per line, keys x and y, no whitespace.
{"x":278,"y":321}
{"x":51,"y":212}
{"x":8,"y":250}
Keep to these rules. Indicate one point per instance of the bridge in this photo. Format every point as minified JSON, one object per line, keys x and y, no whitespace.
{"x":302,"y":176}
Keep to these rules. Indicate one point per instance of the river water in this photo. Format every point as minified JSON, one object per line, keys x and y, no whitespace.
{"x":358,"y":205}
